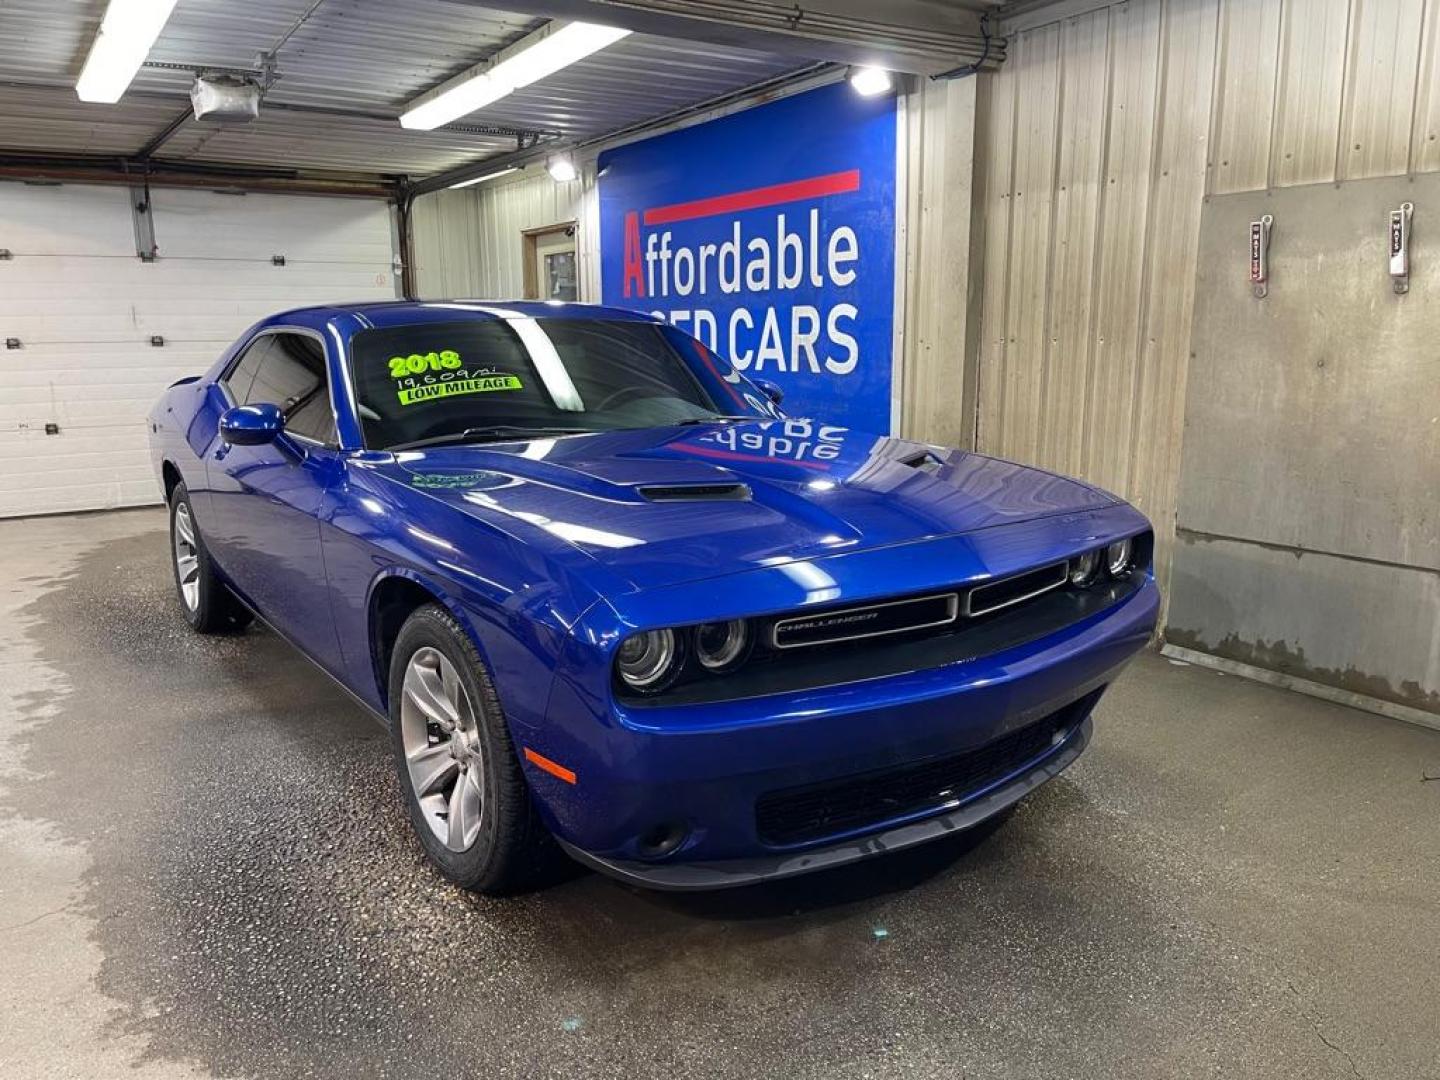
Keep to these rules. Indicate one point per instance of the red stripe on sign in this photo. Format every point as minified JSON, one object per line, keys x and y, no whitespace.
{"x":791,"y":191}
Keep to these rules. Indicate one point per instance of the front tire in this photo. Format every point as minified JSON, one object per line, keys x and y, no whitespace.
{"x":464,"y":788}
{"x":209,"y":607}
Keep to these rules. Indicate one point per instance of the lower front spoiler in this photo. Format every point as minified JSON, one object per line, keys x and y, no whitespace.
{"x":731,"y":873}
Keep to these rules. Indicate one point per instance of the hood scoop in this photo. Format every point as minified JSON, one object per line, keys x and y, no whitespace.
{"x":922,"y":460}
{"x":730,"y":492}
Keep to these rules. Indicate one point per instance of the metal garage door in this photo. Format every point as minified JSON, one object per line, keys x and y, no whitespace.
{"x":84,"y":309}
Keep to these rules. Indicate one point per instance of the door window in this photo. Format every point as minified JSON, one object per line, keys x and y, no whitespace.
{"x":560,"y":281}
{"x":550,"y":270}
{"x":290,"y":372}
{"x":242,"y":375}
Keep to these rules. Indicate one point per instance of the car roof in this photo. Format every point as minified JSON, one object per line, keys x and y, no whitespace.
{"x":409,"y":312}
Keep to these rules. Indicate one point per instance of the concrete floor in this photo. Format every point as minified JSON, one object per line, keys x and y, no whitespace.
{"x":204,"y":871}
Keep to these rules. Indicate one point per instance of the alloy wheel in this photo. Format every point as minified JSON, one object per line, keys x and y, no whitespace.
{"x":187,"y":557}
{"x":443,"y":751}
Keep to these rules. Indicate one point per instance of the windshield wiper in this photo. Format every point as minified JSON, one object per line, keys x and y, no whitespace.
{"x":492,"y":433}
{"x":692,"y":421}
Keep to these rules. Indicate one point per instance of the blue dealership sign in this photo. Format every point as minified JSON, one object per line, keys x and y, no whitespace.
{"x":769,"y":235}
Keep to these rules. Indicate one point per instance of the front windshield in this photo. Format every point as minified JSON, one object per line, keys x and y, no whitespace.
{"x":474,"y":379}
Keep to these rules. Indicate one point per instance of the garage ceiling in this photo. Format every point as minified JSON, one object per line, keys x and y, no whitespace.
{"x":345,"y":69}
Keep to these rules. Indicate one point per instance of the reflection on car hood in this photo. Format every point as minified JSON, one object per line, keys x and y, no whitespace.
{"x":735,"y":496}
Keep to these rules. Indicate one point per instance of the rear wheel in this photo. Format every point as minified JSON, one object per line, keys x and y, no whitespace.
{"x":464,"y":788}
{"x":209,"y":607}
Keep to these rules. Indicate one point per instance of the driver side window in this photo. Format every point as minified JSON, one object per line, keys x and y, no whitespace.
{"x":288,"y":370}
{"x":242,"y":375}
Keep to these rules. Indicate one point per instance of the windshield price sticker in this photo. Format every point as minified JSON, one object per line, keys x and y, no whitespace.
{"x":427,"y":376}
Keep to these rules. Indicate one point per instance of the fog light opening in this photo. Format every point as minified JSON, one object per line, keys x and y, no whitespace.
{"x":662,"y":840}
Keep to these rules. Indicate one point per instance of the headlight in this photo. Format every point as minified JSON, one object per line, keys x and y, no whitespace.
{"x":647,"y":659}
{"x":1117,"y":557}
{"x":1084,"y":568}
{"x":719,"y":645}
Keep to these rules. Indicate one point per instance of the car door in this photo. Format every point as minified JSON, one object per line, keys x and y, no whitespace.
{"x":265,"y":501}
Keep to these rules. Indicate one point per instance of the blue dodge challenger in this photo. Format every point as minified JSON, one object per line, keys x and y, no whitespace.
{"x":609,"y":598}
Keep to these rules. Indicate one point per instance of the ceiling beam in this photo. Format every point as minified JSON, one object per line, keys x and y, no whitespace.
{"x":918,"y":37}
{"x":107,"y":170}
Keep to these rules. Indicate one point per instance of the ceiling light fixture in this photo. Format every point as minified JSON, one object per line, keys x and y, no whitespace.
{"x":126,"y":34}
{"x":561,"y":169}
{"x":554,"y":46}
{"x":869,"y":81}
{"x":488,"y":176}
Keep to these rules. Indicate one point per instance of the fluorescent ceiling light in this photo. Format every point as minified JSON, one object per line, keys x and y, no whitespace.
{"x":561,"y":168}
{"x":127,"y":32}
{"x":869,"y":81}
{"x":487,"y":176}
{"x":555,"y":46}
{"x":474,"y":93}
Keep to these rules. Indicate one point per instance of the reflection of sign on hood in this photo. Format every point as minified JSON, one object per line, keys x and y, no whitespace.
{"x":800,"y":442}
{"x":784,"y":259}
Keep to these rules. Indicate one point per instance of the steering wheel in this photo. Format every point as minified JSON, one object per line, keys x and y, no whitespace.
{"x":617,"y":396}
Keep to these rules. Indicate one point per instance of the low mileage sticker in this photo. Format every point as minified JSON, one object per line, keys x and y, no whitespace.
{"x":485,"y":384}
{"x":428,"y":376}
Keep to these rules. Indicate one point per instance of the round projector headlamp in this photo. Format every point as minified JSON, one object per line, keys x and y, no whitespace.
{"x":1084,"y":568}
{"x":1117,"y":557}
{"x":719,"y":645}
{"x":647,"y":659}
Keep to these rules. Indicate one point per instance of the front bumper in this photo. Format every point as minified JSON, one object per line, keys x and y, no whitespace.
{"x":705,"y":767}
{"x":731,"y":873}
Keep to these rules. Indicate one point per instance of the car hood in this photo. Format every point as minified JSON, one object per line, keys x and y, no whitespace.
{"x":661,"y":506}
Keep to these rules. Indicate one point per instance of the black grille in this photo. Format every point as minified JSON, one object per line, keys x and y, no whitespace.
{"x":1012,"y":590}
{"x":796,"y":815}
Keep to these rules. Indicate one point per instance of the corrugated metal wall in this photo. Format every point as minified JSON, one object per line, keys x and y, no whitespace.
{"x":1102,"y":135}
{"x":467,"y":242}
{"x":942,"y":279}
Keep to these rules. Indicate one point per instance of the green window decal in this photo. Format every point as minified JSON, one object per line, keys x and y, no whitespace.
{"x":482,"y":385}
{"x":423,"y":363}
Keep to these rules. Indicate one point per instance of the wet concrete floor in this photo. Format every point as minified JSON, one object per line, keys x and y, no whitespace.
{"x":204,"y":871}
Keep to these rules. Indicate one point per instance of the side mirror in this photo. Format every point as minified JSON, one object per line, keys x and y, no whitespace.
{"x":251,"y":425}
{"x":771,"y":390}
